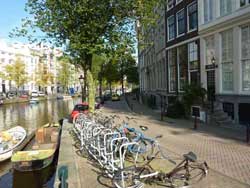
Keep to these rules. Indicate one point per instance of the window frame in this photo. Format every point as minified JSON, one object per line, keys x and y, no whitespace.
{"x":188,"y":24}
{"x":227,"y":61}
{"x":168,"y":28}
{"x":243,"y":59}
{"x":173,"y":51}
{"x":227,"y":12}
{"x":192,"y":70}
{"x":210,"y":10}
{"x":247,"y":2}
{"x":178,"y":2}
{"x":177,"y":27}
{"x":168,"y":4}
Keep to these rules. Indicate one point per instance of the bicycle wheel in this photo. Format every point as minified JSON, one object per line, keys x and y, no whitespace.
{"x":144,"y":149}
{"x":128,"y":178}
{"x":189,"y":175}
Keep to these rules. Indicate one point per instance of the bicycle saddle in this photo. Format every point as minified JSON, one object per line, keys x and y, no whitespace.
{"x":190,"y":156}
{"x":143,"y":128}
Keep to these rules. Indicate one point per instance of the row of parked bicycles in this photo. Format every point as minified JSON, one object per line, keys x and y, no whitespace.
{"x":132,"y":159}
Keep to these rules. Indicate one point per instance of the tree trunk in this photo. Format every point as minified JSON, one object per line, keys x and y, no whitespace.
{"x":122,"y":80}
{"x":91,"y":92}
{"x":110,"y":88}
{"x":100,"y":88}
{"x":84,"y":92}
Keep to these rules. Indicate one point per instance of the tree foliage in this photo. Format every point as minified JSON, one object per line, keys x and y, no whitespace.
{"x":65,"y":73}
{"x":88,"y":27}
{"x":15,"y":72}
{"x":43,"y":76}
{"x":193,"y":94}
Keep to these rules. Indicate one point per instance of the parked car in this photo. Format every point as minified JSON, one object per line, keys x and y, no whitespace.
{"x":99,"y":101}
{"x":2,"y":96}
{"x":79,"y":108}
{"x":23,"y":94}
{"x":41,"y":94}
{"x":115,"y":97}
{"x":34,"y":94}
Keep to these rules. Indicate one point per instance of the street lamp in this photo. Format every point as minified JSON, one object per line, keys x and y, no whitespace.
{"x":81,"y":79}
{"x":213,"y":61}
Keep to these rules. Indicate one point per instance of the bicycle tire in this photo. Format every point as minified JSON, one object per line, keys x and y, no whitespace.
{"x":190,"y":175}
{"x":131,"y":177}
{"x":144,"y":149}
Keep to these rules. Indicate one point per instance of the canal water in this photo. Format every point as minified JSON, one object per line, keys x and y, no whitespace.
{"x":31,"y":116}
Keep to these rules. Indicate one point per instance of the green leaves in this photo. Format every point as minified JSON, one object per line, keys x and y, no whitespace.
{"x":15,"y":72}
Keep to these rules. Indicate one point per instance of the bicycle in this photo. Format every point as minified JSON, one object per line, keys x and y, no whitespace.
{"x":187,"y":172}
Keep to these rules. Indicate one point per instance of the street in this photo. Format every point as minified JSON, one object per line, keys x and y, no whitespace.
{"x":228,"y":159}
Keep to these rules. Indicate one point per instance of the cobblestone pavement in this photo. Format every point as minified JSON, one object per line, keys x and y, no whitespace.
{"x":229,"y":158}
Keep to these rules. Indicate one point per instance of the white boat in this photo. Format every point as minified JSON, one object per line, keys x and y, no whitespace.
{"x":67,"y":97}
{"x":10,"y":140}
{"x":34,"y":100}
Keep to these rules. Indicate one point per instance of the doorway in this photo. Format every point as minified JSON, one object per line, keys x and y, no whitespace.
{"x":211,"y":85}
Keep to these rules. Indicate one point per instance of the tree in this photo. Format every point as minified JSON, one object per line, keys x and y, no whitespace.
{"x":65,"y":73}
{"x":43,"y":77}
{"x":15,"y":72}
{"x":88,"y":27}
{"x":111,"y":73}
{"x":193,"y":94}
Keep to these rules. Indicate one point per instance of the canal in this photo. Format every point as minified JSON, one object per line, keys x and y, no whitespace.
{"x":32,"y":116}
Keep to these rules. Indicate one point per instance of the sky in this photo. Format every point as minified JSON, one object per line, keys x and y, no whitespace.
{"x":11,"y":13}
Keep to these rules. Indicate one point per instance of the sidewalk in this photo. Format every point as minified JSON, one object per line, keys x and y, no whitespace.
{"x":222,"y":148}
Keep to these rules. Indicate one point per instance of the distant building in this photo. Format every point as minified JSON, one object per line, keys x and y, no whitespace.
{"x":32,"y":56}
{"x":224,"y":29}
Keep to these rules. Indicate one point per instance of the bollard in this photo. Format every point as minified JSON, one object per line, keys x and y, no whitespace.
{"x":63,"y":176}
{"x":247,"y":132}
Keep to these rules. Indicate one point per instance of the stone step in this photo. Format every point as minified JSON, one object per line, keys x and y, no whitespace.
{"x":225,"y":122}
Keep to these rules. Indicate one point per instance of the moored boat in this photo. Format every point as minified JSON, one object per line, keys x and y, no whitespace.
{"x":41,"y":150}
{"x":34,"y":100}
{"x":10,"y":140}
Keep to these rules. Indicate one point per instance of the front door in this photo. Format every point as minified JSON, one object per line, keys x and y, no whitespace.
{"x":211,"y":85}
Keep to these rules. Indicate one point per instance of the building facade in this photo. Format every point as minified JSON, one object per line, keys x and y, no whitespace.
{"x":152,"y":61}
{"x":224,"y":29}
{"x":182,"y":45}
{"x":38,"y":59}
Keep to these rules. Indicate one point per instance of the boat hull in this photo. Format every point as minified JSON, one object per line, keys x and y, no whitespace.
{"x":5,"y":156}
{"x":32,"y":165}
{"x":41,"y":152}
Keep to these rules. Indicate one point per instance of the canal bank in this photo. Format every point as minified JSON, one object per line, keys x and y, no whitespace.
{"x":32,"y":116}
{"x":80,"y":172}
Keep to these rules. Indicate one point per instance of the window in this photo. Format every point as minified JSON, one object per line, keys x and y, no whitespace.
{"x":172,"y":69}
{"x":182,"y":66}
{"x":225,"y":7}
{"x":171,"y":28}
{"x":193,"y":62}
{"x":244,"y":2}
{"x":192,"y":17}
{"x":208,"y":10}
{"x":245,"y":57}
{"x":227,"y":60}
{"x":178,"y":1}
{"x":180,"y":22}
{"x":170,"y":4}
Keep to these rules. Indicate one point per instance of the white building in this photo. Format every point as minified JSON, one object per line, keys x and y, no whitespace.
{"x":31,"y":55}
{"x":224,"y":29}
